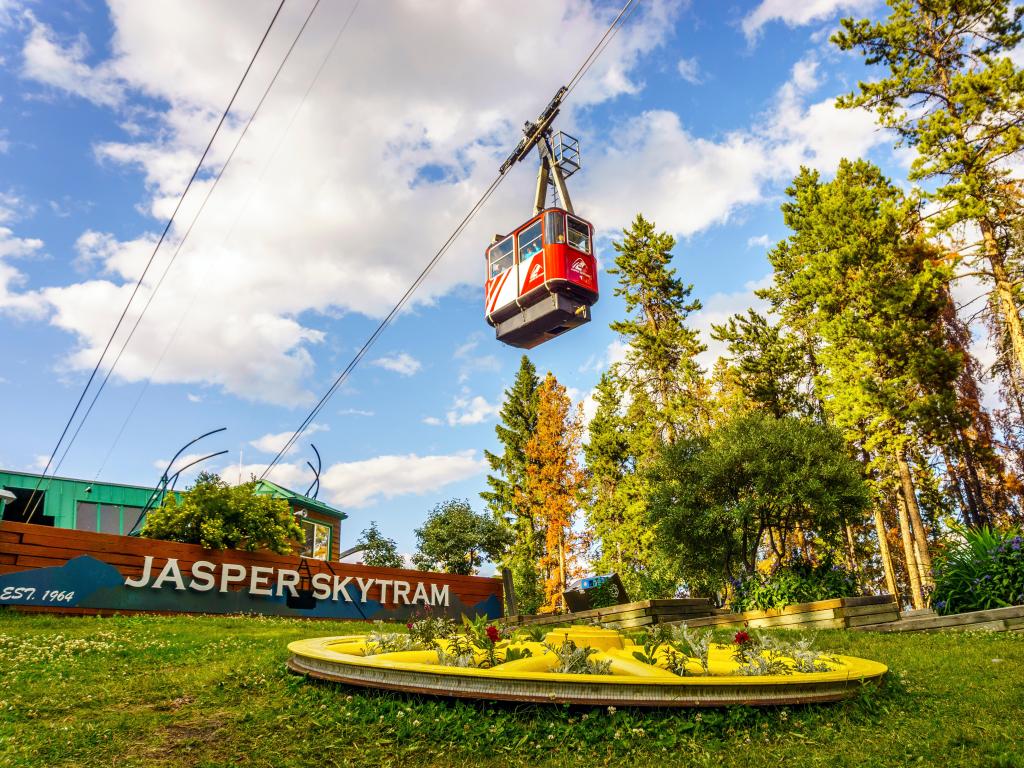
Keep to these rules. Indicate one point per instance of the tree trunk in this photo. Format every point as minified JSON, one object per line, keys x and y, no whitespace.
{"x":851,"y":550}
{"x":909,"y":553}
{"x":883,"y":548}
{"x":561,"y":565}
{"x":914,"y":512}
{"x":982,"y":511}
{"x":1004,"y":292}
{"x":960,"y":491}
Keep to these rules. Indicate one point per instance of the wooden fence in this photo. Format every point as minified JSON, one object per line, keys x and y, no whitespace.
{"x":839,"y":613}
{"x":1009,"y":619}
{"x":636,"y":614}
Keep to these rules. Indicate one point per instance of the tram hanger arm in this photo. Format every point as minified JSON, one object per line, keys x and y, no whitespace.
{"x":535,"y":131}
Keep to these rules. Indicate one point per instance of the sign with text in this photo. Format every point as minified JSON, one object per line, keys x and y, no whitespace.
{"x":52,"y":569}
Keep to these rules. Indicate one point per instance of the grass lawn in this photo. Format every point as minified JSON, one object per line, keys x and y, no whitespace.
{"x":205,"y":691}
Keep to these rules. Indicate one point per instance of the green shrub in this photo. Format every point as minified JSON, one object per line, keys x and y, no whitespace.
{"x":218,"y":516}
{"x":797,"y":581}
{"x":983,"y":569}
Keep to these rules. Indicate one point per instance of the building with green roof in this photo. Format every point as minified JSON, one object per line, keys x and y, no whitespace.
{"x":64,"y":502}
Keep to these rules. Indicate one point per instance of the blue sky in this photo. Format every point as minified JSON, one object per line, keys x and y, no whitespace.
{"x":697,"y":115}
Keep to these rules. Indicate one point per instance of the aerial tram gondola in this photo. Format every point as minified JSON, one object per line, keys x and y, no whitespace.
{"x":542,"y":277}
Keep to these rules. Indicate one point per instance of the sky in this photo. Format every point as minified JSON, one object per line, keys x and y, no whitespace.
{"x":384,"y":126}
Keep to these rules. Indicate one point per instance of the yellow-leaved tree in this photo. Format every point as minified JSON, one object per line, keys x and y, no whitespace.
{"x":554,"y":484}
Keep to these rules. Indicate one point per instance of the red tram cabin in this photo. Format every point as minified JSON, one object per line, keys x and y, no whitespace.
{"x":541,"y":279}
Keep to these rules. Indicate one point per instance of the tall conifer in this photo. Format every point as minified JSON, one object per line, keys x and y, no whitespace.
{"x":507,"y":482}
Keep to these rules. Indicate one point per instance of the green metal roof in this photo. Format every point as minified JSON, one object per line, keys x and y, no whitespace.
{"x":273,"y":489}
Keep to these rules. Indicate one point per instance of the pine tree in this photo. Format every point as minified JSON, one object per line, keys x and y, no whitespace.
{"x":656,"y":396}
{"x":622,"y":539}
{"x":857,"y":273}
{"x":954,"y":94}
{"x":661,"y":356}
{"x":507,"y":483}
{"x":554,"y":485}
{"x":770,"y":366}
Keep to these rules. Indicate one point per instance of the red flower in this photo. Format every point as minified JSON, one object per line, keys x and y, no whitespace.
{"x":493,"y":634}
{"x":741,"y":638}
{"x":409,"y":625}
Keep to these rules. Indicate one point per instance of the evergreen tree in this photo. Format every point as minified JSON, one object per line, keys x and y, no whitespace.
{"x":507,"y":482}
{"x":856,"y":272}
{"x":954,"y":94}
{"x":656,"y":396}
{"x":661,"y":356}
{"x":554,"y":485}
{"x":770,"y":366}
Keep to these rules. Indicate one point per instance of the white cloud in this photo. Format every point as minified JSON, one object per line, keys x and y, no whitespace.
{"x":194,"y":398}
{"x":355,"y":412}
{"x":760,"y":241}
{"x":357,"y":484}
{"x":183,"y":461}
{"x":471,"y":361}
{"x":275,"y":441}
{"x":687,"y":183}
{"x":23,"y":304}
{"x":689,"y":70}
{"x":432,"y":421}
{"x":64,"y":67}
{"x":295,"y":227}
{"x":12,"y":207}
{"x":402,"y":363}
{"x":717,"y":308}
{"x":126,"y":258}
{"x":614,"y":353}
{"x":799,"y":12}
{"x":468,"y":410}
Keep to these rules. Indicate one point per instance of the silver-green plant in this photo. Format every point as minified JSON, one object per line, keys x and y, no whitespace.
{"x":378,"y":642}
{"x":693,"y":643}
{"x":572,"y":659}
{"x":766,"y":654}
{"x":460,"y":652}
{"x":801,"y":651}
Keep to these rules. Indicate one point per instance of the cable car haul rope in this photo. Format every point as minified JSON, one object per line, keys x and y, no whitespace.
{"x":535,"y":133}
{"x":546,"y":282}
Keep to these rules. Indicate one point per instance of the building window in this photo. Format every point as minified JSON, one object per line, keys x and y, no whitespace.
{"x":318,"y":540}
{"x":110,"y":519}
{"x":87,"y":516}
{"x":131,"y":519}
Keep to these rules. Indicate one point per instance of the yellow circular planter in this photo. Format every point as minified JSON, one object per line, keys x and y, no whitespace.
{"x":631,"y":682}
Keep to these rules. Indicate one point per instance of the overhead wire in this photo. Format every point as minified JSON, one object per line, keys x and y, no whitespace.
{"x":163,"y":236}
{"x":343,"y":375}
{"x":185,"y":237}
{"x":252,"y":190}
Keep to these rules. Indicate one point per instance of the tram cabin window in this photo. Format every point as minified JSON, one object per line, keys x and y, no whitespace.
{"x":579,"y":235}
{"x":500,"y":257}
{"x":556,"y":228}
{"x":530,"y":242}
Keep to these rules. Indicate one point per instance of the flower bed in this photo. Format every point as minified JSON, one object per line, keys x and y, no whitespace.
{"x":663,"y":666}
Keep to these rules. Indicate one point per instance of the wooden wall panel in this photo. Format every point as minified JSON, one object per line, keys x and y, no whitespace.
{"x":24,"y":547}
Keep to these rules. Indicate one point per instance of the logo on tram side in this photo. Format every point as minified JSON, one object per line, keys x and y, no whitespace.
{"x":536,"y":272}
{"x":579,"y":266}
